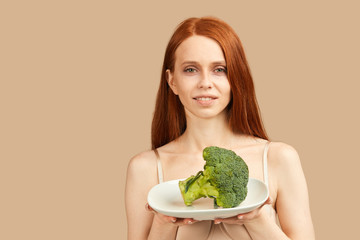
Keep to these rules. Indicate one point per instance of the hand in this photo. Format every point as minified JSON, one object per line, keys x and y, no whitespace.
{"x":244,"y":217}
{"x":168,"y":219}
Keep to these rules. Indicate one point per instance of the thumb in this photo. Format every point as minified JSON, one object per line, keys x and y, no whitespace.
{"x":148,"y":208}
{"x":268,"y":201}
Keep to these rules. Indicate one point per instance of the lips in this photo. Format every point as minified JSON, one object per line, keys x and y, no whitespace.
{"x":205,"y":101}
{"x":205,"y":98}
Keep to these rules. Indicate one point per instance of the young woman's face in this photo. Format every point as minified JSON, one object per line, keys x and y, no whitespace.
{"x":199,"y":77}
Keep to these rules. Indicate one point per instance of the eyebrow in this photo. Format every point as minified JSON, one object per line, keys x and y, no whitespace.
{"x":213,"y":63}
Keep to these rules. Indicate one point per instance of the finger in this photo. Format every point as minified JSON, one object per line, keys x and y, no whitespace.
{"x":253,"y":213}
{"x":218,"y":221}
{"x":148,"y":208}
{"x":249,"y":215}
{"x":183,"y":221}
{"x":231,"y":220}
{"x":164,"y":218}
{"x":172,"y":219}
{"x":225,"y":220}
{"x":268,"y":200}
{"x":189,"y":220}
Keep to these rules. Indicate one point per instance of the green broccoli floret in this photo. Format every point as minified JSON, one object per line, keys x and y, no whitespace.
{"x":224,"y":179}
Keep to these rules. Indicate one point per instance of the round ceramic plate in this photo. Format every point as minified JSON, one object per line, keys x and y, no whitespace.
{"x":166,"y":198}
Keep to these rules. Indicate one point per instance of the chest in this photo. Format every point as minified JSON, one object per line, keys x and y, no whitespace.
{"x":180,"y":167}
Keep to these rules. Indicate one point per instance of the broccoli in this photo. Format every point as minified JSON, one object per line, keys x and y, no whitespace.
{"x":224,"y":179}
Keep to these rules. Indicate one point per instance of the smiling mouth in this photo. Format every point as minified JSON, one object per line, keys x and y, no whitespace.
{"x":205,"y":101}
{"x":204,"y":98}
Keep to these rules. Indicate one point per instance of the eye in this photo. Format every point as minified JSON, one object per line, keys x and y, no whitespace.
{"x":220,"y":70}
{"x":190,"y":70}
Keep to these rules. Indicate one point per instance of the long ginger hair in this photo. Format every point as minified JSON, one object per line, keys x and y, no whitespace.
{"x":243,"y":112}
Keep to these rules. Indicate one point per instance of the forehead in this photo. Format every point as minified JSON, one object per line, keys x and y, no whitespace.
{"x":199,"y":49}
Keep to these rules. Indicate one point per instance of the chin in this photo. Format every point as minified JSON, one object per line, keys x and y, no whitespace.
{"x":207,"y":114}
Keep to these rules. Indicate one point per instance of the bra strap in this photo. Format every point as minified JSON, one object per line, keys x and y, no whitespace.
{"x":159,"y":167}
{"x":266,"y":176}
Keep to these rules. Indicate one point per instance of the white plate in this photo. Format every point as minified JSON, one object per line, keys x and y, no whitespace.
{"x":166,"y":198}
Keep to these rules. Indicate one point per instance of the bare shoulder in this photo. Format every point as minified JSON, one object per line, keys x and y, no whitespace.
{"x":282,"y":154}
{"x":141,"y":177}
{"x":142,"y":160}
{"x":142,"y":167}
{"x":285,"y":165}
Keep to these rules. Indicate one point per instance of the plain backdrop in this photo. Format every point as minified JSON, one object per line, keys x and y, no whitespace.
{"x":78,"y":81}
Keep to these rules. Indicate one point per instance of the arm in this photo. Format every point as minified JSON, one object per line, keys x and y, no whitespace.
{"x":292,"y":201}
{"x":143,"y":223}
{"x":141,"y":176}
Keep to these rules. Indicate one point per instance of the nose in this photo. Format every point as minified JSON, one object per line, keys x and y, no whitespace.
{"x":205,"y":81}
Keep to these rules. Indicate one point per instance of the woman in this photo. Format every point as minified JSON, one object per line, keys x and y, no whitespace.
{"x":206,"y":98}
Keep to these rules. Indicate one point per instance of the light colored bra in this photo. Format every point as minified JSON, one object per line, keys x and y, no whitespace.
{"x":207,"y":229}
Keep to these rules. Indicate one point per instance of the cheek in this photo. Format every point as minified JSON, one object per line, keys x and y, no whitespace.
{"x":227,"y":93}
{"x":182,"y":91}
{"x":184,"y":85}
{"x":226,"y":89}
{"x":184,"y":96}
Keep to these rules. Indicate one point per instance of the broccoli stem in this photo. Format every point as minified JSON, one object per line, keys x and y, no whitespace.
{"x":191,"y":181}
{"x":215,"y":204}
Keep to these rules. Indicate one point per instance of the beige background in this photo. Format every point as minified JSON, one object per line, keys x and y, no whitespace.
{"x":77,"y":91}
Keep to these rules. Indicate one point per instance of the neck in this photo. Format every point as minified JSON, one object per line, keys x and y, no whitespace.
{"x":201,"y":133}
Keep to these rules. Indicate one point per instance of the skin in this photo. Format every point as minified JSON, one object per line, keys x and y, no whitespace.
{"x":200,"y":80}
